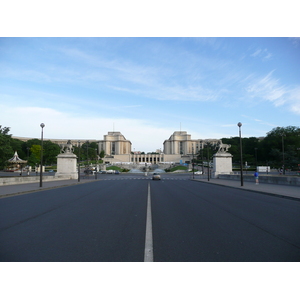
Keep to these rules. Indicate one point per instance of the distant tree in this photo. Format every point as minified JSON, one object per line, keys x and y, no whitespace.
{"x":50,"y":152}
{"x":36,"y":152}
{"x":6,"y":151}
{"x":102,"y":154}
{"x":17,"y":145}
{"x":282,"y":142}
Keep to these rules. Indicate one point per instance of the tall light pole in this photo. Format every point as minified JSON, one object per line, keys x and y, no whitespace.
{"x":202,"y":149}
{"x":87,"y":153}
{"x":96,"y":163}
{"x":255,"y":158}
{"x":41,"y":165}
{"x":283,"y":154}
{"x":207,"y":144}
{"x":241,"y":152}
{"x":79,"y":162}
{"x":193,"y":161}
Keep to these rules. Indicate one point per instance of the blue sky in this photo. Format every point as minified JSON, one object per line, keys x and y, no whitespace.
{"x":147,"y":88}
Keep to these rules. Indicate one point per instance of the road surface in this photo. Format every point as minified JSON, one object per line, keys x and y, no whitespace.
{"x":106,"y":221}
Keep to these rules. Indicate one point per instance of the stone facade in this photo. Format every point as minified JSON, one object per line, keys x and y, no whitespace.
{"x":114,"y":143}
{"x":180,"y":147}
{"x":180,"y":143}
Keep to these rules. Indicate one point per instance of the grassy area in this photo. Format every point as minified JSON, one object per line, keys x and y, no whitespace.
{"x":117,"y":169}
{"x":177,"y":168}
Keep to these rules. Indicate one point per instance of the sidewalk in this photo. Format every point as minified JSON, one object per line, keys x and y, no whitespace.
{"x":17,"y":189}
{"x":286,"y":191}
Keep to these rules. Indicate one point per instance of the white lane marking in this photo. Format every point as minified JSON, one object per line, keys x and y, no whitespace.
{"x":148,"y":254}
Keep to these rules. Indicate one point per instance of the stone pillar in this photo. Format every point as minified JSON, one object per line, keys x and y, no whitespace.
{"x":66,"y":166}
{"x":222,"y":164}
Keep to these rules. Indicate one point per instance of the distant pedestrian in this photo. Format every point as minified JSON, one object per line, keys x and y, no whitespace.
{"x":256,"y":177}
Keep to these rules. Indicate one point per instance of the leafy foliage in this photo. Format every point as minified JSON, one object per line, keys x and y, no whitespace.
{"x":6,"y":150}
{"x":281,"y":145}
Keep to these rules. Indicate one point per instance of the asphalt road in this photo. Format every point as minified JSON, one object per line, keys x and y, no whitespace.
{"x":105,"y":221}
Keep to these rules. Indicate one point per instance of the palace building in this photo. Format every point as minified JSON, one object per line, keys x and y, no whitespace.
{"x":179,"y":148}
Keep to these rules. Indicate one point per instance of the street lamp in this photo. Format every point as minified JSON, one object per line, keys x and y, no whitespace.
{"x":207,"y":144}
{"x":79,"y":161}
{"x":41,"y":165}
{"x":193,"y":161}
{"x":87,"y":153}
{"x":202,"y":148}
{"x":255,"y":158}
{"x":241,"y":152}
{"x":96,"y":163}
{"x":283,"y":154}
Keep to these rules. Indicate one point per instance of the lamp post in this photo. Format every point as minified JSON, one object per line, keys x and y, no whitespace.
{"x":202,"y":148}
{"x":207,"y":144}
{"x":27,"y":161}
{"x":96,"y":163}
{"x":193,"y":161}
{"x":87,"y":153}
{"x":255,"y":158}
{"x":41,"y":165}
{"x":283,"y":154}
{"x":79,"y":161}
{"x":241,"y":152}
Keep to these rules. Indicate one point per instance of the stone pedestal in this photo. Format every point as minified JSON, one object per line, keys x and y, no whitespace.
{"x":66,"y":165}
{"x":222,"y":164}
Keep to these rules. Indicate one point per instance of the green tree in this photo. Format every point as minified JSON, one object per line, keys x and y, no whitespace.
{"x":281,"y":143}
{"x":102,"y":154}
{"x":36,"y":152}
{"x":6,"y":151}
{"x":17,"y":145}
{"x":50,"y":152}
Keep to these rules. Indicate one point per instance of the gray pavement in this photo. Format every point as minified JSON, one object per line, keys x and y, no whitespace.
{"x":16,"y":189}
{"x":286,"y":191}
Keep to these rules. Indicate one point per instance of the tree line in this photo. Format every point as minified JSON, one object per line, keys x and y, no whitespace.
{"x":280,"y":146}
{"x":31,"y":150}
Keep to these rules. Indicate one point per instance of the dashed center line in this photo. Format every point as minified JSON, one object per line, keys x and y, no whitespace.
{"x":148,"y":254}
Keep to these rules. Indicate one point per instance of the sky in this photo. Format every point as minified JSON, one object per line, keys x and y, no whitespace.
{"x":153,"y":68}
{"x":147,"y":88}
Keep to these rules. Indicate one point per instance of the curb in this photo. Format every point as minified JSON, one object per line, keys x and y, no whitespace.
{"x":42,"y":189}
{"x":249,"y":190}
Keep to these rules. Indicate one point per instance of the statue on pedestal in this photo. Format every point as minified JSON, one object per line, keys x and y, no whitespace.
{"x":223,"y":148}
{"x":66,"y":148}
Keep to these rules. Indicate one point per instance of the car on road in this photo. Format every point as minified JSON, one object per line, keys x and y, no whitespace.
{"x":155,"y":176}
{"x":198,"y":173}
{"x":110,"y":172}
{"x":88,"y":171}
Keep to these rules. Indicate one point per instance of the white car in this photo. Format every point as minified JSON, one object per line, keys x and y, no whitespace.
{"x":155,"y":176}
{"x":110,"y":172}
{"x":198,"y":173}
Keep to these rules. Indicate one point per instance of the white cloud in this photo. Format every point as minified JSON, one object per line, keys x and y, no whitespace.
{"x":269,"y":88}
{"x":295,"y":41}
{"x":256,"y":53}
{"x":262,"y":54}
{"x":25,"y":122}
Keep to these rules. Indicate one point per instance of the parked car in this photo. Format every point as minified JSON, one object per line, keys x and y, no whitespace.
{"x":117,"y":172}
{"x":155,"y":176}
{"x":110,"y":171}
{"x":88,"y":171}
{"x":198,"y":173}
{"x":103,"y":172}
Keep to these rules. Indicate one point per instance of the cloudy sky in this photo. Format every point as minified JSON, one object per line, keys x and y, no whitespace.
{"x":147,"y":88}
